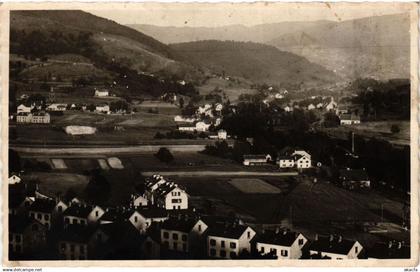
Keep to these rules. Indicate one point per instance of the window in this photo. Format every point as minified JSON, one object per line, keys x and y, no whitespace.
{"x":46,"y":217}
{"x":212,"y":252}
{"x":262,"y":250}
{"x":274,"y":251}
{"x":184,"y":247}
{"x":166,"y":244}
{"x":47,"y":225}
{"x":175,"y":246}
{"x":74,"y":221}
{"x":72,"y":248}
{"x":184,"y":237}
{"x":212,"y":242}
{"x":39,"y":216}
{"x":222,"y":253}
{"x":199,"y":227}
{"x":300,"y":242}
{"x":284,"y":253}
{"x":97,"y":213}
{"x":356,"y":249}
{"x":232,"y":245}
{"x":176,"y":200}
{"x":135,"y":218}
{"x":223,"y":244}
{"x":249,"y":234}
{"x":232,"y":254}
{"x":66,"y":220}
{"x":175,"y":236}
{"x":166,"y":235}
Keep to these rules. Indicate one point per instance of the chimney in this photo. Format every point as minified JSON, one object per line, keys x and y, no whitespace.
{"x":390,"y":244}
{"x":316,"y":237}
{"x":331,"y":237}
{"x":277,"y":230}
{"x":340,"y":238}
{"x":285,"y":232}
{"x":399,"y":245}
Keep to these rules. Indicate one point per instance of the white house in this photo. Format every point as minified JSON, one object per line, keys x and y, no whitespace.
{"x":101,"y":93}
{"x":218,"y":107}
{"x":184,"y":119}
{"x":256,"y":159}
{"x":77,"y":214}
{"x":165,"y":194}
{"x":95,"y":214}
{"x":281,"y":243}
{"x":349,"y":119}
{"x":102,"y":108}
{"x":332,"y":105}
{"x":138,"y":200}
{"x":57,"y":107}
{"x":226,"y":240}
{"x":13,"y":179}
{"x":334,"y":247}
{"x":286,"y":161}
{"x":204,"y":109}
{"x":199,"y":126}
{"x":181,"y":234}
{"x":311,"y":106}
{"x":222,"y":134}
{"x":143,"y":218}
{"x":288,"y":109}
{"x":24,"y":109}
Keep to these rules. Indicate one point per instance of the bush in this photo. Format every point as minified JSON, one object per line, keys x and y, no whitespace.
{"x":164,"y":155}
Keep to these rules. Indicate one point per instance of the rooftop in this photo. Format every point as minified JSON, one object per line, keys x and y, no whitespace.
{"x":78,"y":211}
{"x":331,"y":244}
{"x":278,"y":237}
{"x":43,"y":205}
{"x":227,"y":230}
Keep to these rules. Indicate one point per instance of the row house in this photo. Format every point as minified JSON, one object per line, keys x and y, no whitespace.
{"x":283,"y":244}
{"x":349,"y":119}
{"x":227,"y":241}
{"x":299,"y":159}
{"x":33,"y":118}
{"x":334,"y":247}
{"x":165,"y":194}
{"x":200,"y":126}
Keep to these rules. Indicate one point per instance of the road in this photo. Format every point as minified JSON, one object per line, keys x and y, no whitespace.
{"x":220,"y":173}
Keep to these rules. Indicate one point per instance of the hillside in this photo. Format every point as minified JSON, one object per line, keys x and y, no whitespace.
{"x":41,"y":33}
{"x":376,"y":47}
{"x":256,"y":62}
{"x":258,"y":33}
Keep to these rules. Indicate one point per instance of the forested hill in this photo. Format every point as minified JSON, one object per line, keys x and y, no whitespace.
{"x":254,"y":61}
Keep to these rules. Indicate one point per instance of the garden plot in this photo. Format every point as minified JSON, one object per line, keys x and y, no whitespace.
{"x":254,"y":186}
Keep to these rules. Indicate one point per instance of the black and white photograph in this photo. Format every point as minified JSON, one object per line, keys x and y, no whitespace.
{"x":258,"y":133}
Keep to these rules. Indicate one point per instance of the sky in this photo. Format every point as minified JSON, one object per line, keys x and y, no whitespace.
{"x":221,"y":14}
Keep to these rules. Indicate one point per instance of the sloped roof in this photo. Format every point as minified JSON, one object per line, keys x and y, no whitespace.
{"x":180,"y":224}
{"x":385,"y":251}
{"x":152,"y":212}
{"x":324,"y":244}
{"x":255,"y":157}
{"x":77,"y":233}
{"x":282,"y":238}
{"x":43,"y":205}
{"x":233,"y":231}
{"x":117,"y":214}
{"x":78,"y":210}
{"x":347,"y":116}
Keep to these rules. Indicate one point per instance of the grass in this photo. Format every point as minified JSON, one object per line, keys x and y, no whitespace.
{"x":259,"y":186}
{"x":230,"y":88}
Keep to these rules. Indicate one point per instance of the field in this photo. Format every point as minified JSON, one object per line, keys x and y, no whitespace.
{"x":230,"y":88}
{"x":380,"y":130}
{"x":246,"y":185}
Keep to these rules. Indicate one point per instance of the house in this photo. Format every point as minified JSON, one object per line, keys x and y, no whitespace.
{"x":256,"y":159}
{"x":147,"y":216}
{"x":218,"y":107}
{"x":180,"y":234}
{"x":354,"y":178}
{"x":77,"y":214}
{"x":35,"y":118}
{"x":60,"y":207}
{"x":102,"y":108}
{"x":319,"y":105}
{"x":199,"y":126}
{"x":204,"y":109}
{"x":95,"y":214}
{"x":349,"y":119}
{"x":138,"y":200}
{"x":74,"y":242}
{"x":26,"y":236}
{"x":13,"y":179}
{"x":24,"y":109}
{"x":286,"y":161}
{"x":332,"y":105}
{"x":334,"y":247}
{"x":227,"y":241}
{"x":279,"y":96}
{"x":57,"y":107}
{"x":281,"y":243}
{"x":165,"y":194}
{"x":288,"y":109}
{"x":185,"y":119}
{"x":222,"y":134}
{"x":301,"y":158}
{"x":101,"y":93}
{"x":311,"y":107}
{"x":42,"y":211}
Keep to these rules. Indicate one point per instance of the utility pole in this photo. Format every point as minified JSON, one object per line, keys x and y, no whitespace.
{"x":352,"y":142}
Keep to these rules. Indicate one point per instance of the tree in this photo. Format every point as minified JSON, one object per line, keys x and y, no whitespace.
{"x":164,"y":155}
{"x":181,"y":102}
{"x":331,"y":120}
{"x":14,"y":161}
{"x":98,"y":188}
{"x":395,"y":129}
